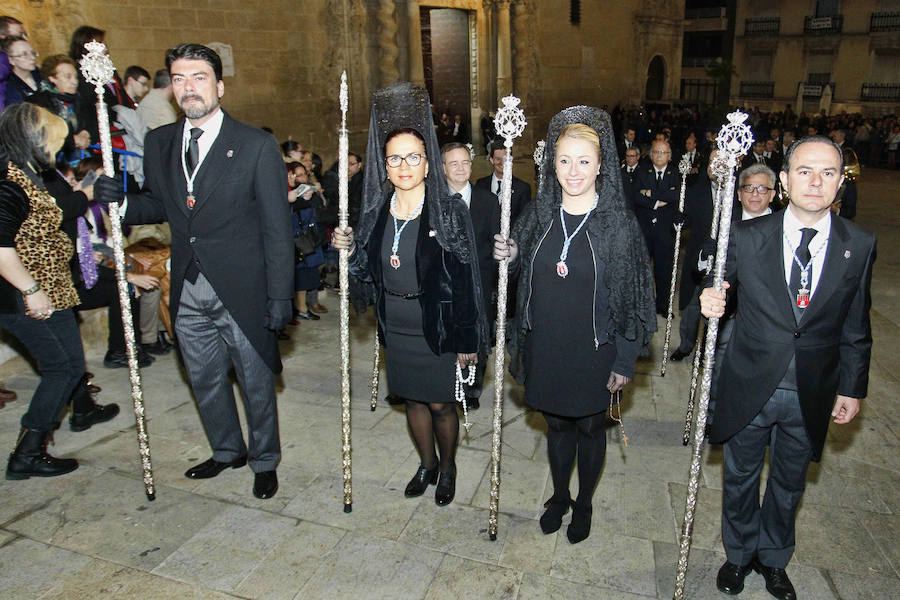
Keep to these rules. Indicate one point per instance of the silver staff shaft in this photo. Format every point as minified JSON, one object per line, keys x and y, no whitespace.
{"x":96,"y":66}
{"x":376,"y":367}
{"x":344,"y":280}
{"x":683,"y":168}
{"x":733,"y":140}
{"x":510,"y":123}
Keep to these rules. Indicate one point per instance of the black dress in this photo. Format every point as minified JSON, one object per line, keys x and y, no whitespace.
{"x":565,"y":374}
{"x":413,"y":370}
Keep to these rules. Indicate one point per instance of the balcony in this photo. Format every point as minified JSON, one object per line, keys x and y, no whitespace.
{"x":757,"y":89}
{"x":762,"y":26}
{"x":818,"y":78}
{"x":823,"y":25}
{"x":884,"y":21}
{"x":880,"y":92}
{"x":697,"y":61}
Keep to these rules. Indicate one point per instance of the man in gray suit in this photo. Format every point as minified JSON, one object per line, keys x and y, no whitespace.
{"x":222,"y":187}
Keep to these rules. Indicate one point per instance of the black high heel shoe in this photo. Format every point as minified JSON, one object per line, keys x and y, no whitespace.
{"x":446,"y":489}
{"x":551,"y":520}
{"x":420,"y":481}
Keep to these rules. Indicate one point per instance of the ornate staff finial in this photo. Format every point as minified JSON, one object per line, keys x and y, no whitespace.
{"x":735,"y":138}
{"x":510,"y":120}
{"x":343,"y":97}
{"x":96,"y":65}
{"x":471,"y":150}
{"x":538,"y":155}
{"x":684,"y":167}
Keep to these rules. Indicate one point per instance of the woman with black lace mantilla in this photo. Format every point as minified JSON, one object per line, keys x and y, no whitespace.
{"x":585,"y":303}
{"x":36,"y":290}
{"x":414,"y":252}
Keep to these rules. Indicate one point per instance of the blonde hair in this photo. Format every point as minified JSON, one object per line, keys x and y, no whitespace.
{"x":55,"y":130}
{"x":580,"y":131}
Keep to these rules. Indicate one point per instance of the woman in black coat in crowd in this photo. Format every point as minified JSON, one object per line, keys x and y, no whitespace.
{"x":415,"y":249}
{"x":585,"y":303}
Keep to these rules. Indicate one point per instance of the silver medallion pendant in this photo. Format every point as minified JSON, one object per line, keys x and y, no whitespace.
{"x":562,"y":269}
{"x":395,"y":261}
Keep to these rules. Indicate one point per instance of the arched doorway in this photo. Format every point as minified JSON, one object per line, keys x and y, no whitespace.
{"x":656,"y":79}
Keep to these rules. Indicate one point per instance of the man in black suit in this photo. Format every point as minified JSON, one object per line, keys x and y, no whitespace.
{"x":799,"y":354}
{"x":774,"y":158}
{"x":757,"y":155}
{"x":655,"y":204}
{"x":485,"y":213}
{"x":629,"y":173}
{"x":521,"y":191}
{"x":696,"y":158}
{"x":222,"y":187}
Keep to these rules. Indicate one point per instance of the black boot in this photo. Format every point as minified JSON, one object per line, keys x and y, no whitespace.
{"x":83,"y":418}
{"x":30,"y":458}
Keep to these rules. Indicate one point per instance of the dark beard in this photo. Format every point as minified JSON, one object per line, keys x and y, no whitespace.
{"x":198,"y":112}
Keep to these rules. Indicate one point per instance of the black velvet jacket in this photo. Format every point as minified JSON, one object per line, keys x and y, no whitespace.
{"x":451,"y":319}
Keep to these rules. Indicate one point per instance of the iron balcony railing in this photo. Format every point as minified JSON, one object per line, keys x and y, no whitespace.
{"x":880,"y":92}
{"x":762,"y":26}
{"x":884,"y":21}
{"x":757,"y":89}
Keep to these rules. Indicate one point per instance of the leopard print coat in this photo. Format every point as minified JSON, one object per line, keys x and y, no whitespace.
{"x":42,"y":246}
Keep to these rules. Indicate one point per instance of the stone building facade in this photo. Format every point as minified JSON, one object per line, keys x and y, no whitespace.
{"x":288,"y":54}
{"x":814,"y":56}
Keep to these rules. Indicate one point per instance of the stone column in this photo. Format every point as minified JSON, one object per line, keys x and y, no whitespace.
{"x":504,"y":50}
{"x":416,"y":66}
{"x":387,"y":43}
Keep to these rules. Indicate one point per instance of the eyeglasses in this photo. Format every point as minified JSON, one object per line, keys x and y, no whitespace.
{"x":26,"y":53}
{"x":660,"y":152}
{"x":758,"y":189}
{"x":457,"y":164}
{"x":413,"y":160}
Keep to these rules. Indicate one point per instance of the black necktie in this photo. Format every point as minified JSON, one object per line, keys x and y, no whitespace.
{"x":803,"y":256}
{"x":659,"y":176}
{"x":192,"y":156}
{"x":498,"y":188}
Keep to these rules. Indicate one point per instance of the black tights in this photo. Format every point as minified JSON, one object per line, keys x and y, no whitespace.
{"x":428,"y":422}
{"x":565,"y":436}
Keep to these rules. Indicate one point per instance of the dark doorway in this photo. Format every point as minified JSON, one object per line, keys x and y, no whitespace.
{"x":656,"y":79}
{"x":445,"y":57}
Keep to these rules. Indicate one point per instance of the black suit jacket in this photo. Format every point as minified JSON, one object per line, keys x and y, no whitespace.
{"x":667,"y":191}
{"x":484,"y":209}
{"x":239,"y":229}
{"x":521,"y":194}
{"x":698,"y":214}
{"x":832,"y":342}
{"x":628,"y":183}
{"x":750,"y":159}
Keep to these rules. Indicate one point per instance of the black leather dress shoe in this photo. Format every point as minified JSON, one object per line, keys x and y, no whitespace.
{"x":265,"y":484}
{"x":119,"y":359}
{"x":730,"y":579}
{"x":160,"y":347}
{"x":679,"y":355}
{"x":777,"y":582}
{"x":210,"y":468}
{"x":446,"y":489}
{"x":420,"y":481}
{"x":80,"y":421}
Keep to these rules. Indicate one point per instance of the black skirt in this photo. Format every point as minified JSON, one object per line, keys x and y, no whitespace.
{"x":414,"y":372}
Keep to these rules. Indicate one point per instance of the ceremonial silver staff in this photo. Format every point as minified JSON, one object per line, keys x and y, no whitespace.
{"x":509,"y":123}
{"x":684,"y":168}
{"x":734,"y":140}
{"x":344,"y":277}
{"x":97,"y":69}
{"x":720,"y":172}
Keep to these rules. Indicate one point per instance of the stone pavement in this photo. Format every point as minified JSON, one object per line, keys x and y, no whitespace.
{"x":92,"y":533}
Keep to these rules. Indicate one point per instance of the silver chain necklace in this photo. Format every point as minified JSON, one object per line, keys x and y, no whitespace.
{"x":398,"y":231}
{"x":562,"y":269}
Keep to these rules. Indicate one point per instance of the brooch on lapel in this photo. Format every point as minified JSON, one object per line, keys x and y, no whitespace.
{"x":846,"y":254}
{"x":230,"y":153}
{"x":432,"y":233}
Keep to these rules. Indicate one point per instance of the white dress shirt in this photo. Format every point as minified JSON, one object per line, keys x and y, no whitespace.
{"x":466,"y":194}
{"x":817,"y":246}
{"x":494,"y":182}
{"x":745,"y":216}
{"x":210,"y":132}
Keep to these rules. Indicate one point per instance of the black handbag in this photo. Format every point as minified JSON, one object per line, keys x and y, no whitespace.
{"x":306,"y":243}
